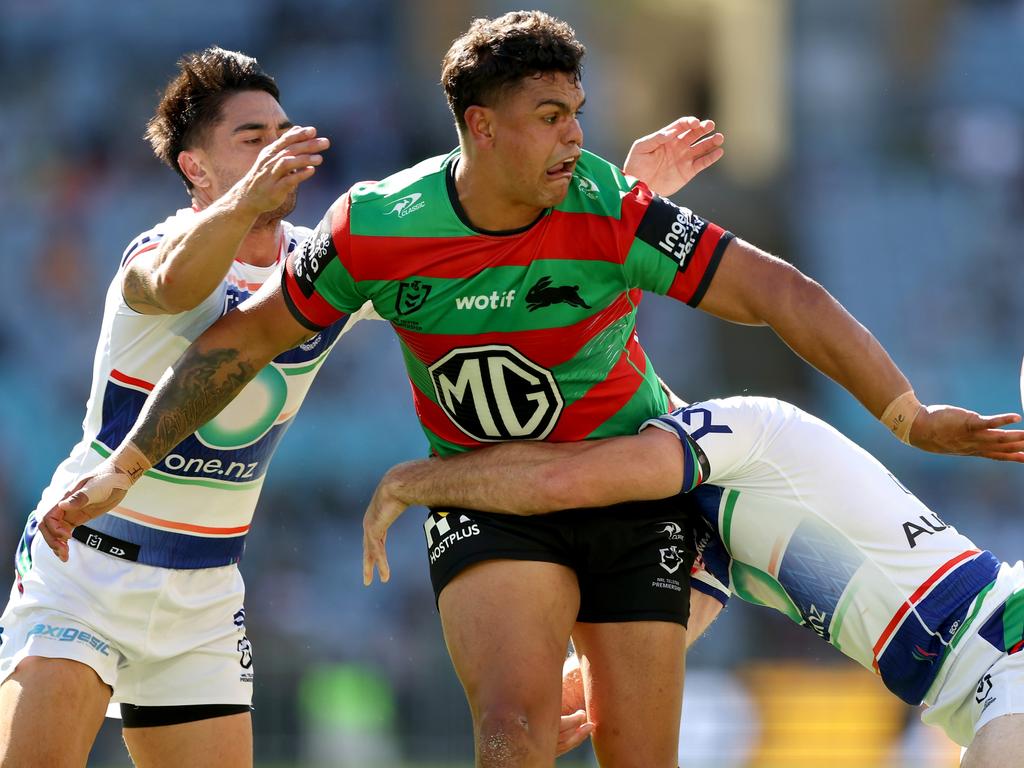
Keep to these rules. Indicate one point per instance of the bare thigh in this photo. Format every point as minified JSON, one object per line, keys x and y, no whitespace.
{"x":507,"y":625}
{"x":50,"y":713}
{"x":633,"y":680}
{"x":1000,"y":744}
{"x":217,"y":742}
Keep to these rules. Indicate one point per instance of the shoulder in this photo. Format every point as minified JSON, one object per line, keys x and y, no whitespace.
{"x":400,"y":193}
{"x":411,"y":203}
{"x":150,"y":238}
{"x":597,"y":187}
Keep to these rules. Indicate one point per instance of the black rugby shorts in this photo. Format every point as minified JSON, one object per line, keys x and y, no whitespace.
{"x":632,"y":560}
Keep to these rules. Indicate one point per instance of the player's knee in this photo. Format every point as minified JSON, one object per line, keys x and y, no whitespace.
{"x":506,"y":736}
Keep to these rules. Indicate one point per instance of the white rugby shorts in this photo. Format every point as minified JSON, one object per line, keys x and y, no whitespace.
{"x":156,"y":636}
{"x":981,"y":682}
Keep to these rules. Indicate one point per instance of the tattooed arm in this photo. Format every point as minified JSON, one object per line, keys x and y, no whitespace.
{"x":194,"y":390}
{"x":215,"y":369}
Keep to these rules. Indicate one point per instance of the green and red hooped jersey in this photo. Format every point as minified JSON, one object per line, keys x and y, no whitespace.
{"x":528,"y":334}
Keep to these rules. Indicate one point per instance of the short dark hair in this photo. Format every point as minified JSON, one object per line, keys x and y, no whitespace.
{"x":192,"y":101}
{"x":494,"y":54}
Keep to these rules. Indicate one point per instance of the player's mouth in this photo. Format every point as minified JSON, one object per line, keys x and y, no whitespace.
{"x":563,"y":169}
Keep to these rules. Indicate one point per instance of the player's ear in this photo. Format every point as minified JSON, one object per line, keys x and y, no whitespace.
{"x":479,"y":125}
{"x":193,"y":164}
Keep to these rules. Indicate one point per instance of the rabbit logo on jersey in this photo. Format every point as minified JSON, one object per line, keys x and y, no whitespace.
{"x":442,"y":534}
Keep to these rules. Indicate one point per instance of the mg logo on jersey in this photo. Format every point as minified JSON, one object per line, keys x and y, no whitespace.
{"x":403,"y":206}
{"x":494,"y":393}
{"x":411,"y":296}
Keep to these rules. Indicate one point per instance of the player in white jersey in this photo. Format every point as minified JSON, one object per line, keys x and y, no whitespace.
{"x":149,"y":614}
{"x":799,"y":519}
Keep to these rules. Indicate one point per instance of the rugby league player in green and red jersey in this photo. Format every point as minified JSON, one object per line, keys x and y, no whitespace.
{"x":511,"y":270}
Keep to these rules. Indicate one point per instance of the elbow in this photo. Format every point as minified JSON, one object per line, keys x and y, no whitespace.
{"x":795,"y":297}
{"x":174,"y":295}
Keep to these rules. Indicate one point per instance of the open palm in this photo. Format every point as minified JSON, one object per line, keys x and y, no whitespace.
{"x":668,"y":159}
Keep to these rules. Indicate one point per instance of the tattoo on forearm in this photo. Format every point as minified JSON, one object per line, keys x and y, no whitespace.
{"x":202,"y":383}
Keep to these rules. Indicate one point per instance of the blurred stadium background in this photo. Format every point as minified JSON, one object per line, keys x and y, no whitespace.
{"x":879,"y":145}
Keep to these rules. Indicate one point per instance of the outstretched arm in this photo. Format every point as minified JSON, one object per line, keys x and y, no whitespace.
{"x":195,"y":389}
{"x":755,"y":288}
{"x":525,"y":478}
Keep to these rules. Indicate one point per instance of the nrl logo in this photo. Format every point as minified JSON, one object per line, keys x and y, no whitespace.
{"x":406,"y":205}
{"x":671,"y":558}
{"x":411,"y":296}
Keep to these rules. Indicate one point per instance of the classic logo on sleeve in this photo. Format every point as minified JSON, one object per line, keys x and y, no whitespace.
{"x":672,"y":229}
{"x":406,"y":205}
{"x":317,"y":252}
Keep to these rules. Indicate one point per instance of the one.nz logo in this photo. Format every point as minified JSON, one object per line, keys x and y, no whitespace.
{"x":544,"y":294}
{"x":411,"y":296}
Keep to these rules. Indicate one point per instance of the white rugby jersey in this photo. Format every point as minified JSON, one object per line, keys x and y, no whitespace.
{"x":194,"y":508}
{"x":802,"y":520}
